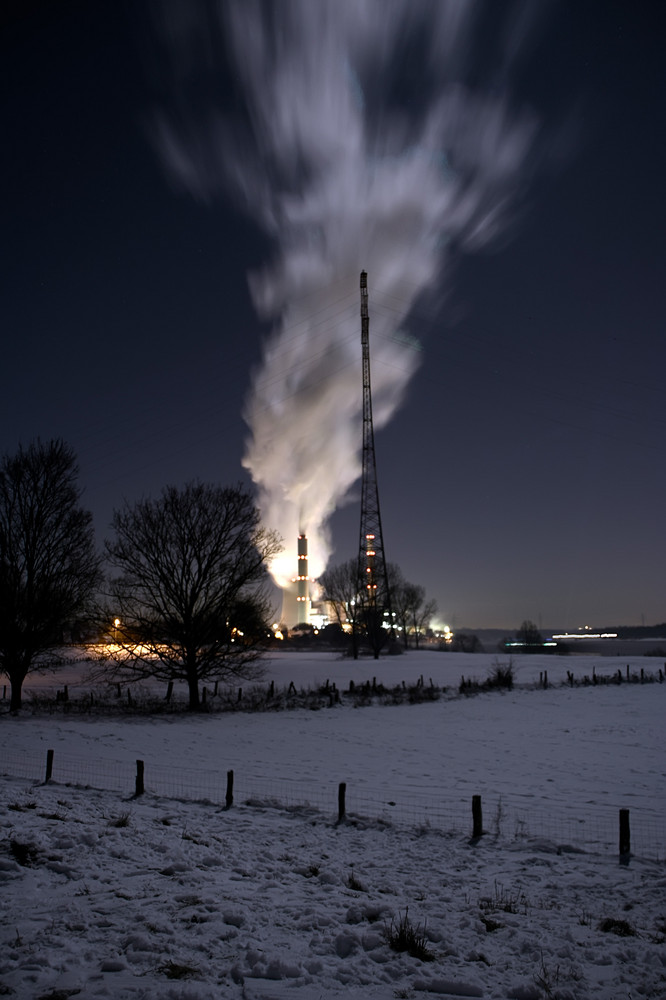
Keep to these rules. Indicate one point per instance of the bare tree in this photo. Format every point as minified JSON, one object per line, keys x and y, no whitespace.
{"x":529,"y":634}
{"x":339,"y":586}
{"x":191,"y":595}
{"x":420,"y":611}
{"x":48,"y":565}
{"x":528,"y":639}
{"x":413,"y":613}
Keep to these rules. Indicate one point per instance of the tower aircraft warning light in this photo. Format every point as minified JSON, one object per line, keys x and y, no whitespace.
{"x":373,"y":586}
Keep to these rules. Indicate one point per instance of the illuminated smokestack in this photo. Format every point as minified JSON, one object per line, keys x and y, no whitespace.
{"x":303,"y":581}
{"x":296,"y":598}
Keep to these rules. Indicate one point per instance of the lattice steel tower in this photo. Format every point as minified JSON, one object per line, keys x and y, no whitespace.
{"x":373,"y":584}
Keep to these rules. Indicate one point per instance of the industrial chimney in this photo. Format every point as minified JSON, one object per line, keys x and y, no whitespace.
{"x":303,"y":581}
{"x":296,"y":598}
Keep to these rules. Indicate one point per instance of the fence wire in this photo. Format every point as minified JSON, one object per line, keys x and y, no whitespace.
{"x":596,"y":831}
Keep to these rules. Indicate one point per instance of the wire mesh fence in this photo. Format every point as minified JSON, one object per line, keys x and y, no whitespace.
{"x":593,"y":829}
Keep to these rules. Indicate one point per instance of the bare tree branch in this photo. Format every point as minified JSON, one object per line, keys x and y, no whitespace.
{"x":48,"y":565}
{"x":191,"y":594}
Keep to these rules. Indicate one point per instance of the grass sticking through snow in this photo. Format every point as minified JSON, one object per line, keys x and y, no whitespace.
{"x":27,"y":855}
{"x":175,"y":970}
{"x":121,"y":821}
{"x":403,"y":936}
{"x":620,"y":927}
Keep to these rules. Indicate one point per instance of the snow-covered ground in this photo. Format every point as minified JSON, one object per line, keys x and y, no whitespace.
{"x":106,"y":895}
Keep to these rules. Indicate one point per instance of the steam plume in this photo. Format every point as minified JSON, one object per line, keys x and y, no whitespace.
{"x":348,"y":166}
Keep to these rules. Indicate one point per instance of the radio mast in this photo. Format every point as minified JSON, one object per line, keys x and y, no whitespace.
{"x":374,"y":594}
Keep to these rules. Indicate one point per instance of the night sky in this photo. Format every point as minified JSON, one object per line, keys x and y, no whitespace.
{"x":522,"y":474}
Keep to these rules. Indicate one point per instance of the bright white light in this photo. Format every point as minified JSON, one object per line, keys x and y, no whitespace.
{"x":531,"y":643}
{"x":586,"y":635}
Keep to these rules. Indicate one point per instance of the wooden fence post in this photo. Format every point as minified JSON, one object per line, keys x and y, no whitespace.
{"x":229,"y":798}
{"x":139,"y":778}
{"x":49,"y":766}
{"x":477,"y":817}
{"x":342,"y":792}
{"x":169,"y":692}
{"x":625,"y":837}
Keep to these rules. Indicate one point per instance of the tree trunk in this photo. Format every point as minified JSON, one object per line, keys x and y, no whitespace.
{"x":17,"y":674}
{"x":15,"y":700}
{"x":193,"y":688}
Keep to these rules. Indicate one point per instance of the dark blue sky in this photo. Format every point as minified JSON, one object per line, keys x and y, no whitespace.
{"x":524,"y":474}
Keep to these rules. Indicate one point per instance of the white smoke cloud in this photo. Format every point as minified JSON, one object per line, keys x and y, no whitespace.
{"x":344,"y":179}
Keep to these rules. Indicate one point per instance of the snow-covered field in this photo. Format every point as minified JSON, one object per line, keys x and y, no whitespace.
{"x":105,"y":895}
